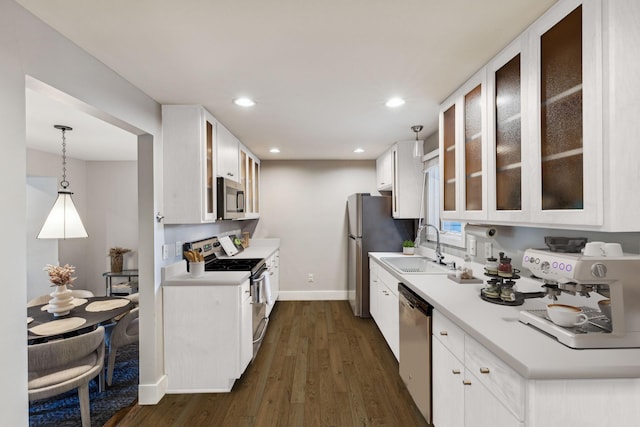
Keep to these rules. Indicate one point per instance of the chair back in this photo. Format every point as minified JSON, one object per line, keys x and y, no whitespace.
{"x":60,"y":365}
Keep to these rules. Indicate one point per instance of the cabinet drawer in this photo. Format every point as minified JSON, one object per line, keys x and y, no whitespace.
{"x":449,"y":334}
{"x":500,"y":379}
{"x":389,"y":280}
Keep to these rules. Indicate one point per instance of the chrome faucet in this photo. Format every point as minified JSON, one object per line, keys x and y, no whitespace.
{"x":439,"y":255}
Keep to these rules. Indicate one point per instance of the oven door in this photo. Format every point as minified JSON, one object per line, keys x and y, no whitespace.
{"x":259,"y":304}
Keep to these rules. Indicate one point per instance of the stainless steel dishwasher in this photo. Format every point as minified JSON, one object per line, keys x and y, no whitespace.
{"x":415,"y":348}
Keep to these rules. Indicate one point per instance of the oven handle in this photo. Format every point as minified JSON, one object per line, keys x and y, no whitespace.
{"x":264,"y":331}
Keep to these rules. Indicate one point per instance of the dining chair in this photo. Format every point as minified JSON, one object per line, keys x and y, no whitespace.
{"x":43,"y":299}
{"x":62,"y":365}
{"x":120,"y":334}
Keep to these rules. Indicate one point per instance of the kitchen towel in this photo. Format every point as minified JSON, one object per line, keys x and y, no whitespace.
{"x":266,"y":288}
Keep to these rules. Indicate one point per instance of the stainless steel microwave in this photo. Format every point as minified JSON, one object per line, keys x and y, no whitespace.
{"x":230,"y":195}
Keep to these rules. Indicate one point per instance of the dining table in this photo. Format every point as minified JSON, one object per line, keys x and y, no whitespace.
{"x":86,"y":315}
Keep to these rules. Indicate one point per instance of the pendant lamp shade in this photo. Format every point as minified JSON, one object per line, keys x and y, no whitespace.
{"x":63,"y":222}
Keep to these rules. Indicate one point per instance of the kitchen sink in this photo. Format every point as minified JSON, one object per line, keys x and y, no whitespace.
{"x":414,"y":265}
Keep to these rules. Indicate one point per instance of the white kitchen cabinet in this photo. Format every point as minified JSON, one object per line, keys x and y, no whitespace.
{"x":471,"y":387}
{"x":207,"y":336}
{"x":250,"y":179}
{"x":273,"y":268}
{"x":406,"y":179}
{"x":384,"y":171}
{"x":228,"y":150}
{"x":463,"y":157}
{"x":384,"y":305}
{"x":189,"y":164}
{"x":558,"y":125}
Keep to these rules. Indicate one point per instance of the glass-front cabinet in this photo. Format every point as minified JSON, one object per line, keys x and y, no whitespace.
{"x":462,"y":152}
{"x":189,"y":152}
{"x":541,"y":159}
{"x":508,"y":192}
{"x":566,"y":103}
{"x":250,"y":179}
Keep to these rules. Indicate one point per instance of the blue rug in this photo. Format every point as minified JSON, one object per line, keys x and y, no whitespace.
{"x":64,"y":410}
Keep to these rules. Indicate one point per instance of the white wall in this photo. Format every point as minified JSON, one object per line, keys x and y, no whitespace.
{"x":30,"y":48}
{"x":112,"y":218}
{"x":41,"y":193}
{"x":304,"y":204}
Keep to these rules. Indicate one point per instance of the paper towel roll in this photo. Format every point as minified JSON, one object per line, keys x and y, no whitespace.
{"x":480,"y":231}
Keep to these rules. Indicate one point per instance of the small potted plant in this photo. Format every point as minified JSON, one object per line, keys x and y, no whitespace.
{"x":408,"y":247}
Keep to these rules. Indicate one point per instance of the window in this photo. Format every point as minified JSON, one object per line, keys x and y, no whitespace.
{"x":451,"y":232}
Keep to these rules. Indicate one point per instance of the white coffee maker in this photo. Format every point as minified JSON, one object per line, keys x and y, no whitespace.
{"x":617,"y":278}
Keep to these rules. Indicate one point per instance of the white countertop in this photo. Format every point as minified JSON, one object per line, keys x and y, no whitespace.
{"x":530,"y":352}
{"x":176,"y":274}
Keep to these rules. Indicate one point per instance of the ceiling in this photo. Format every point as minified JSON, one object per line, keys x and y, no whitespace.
{"x":319,"y":71}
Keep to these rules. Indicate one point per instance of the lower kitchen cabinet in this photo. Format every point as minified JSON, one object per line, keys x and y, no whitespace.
{"x":384,"y":309}
{"x":273,"y":267}
{"x":471,"y":387}
{"x":207,"y":336}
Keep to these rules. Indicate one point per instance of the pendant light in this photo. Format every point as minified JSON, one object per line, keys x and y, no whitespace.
{"x":417,"y":148}
{"x":63,"y":221}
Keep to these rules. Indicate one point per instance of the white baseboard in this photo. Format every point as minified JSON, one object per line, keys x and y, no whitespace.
{"x":150,"y":394}
{"x":312,"y":295}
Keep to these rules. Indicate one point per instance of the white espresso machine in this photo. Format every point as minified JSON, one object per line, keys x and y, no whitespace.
{"x":616,"y":278}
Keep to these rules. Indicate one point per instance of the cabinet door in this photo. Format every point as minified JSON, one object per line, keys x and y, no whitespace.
{"x":447,"y":387}
{"x":567,"y":98}
{"x":228,"y":154}
{"x":448,"y":131}
{"x":189,"y":138}
{"x":482,"y":409}
{"x":463,"y":151}
{"x":384,"y":172}
{"x":508,"y":198}
{"x":373,"y":291}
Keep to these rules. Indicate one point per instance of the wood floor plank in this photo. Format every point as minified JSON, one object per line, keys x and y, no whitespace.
{"x":319,"y":365}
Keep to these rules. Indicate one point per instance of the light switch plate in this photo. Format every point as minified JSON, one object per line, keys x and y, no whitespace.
{"x":165,"y":251}
{"x":471,"y":247}
{"x":488,"y":250}
{"x":178,"y":249}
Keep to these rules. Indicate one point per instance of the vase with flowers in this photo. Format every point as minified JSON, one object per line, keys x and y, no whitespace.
{"x":60,"y":303}
{"x":116,"y":255}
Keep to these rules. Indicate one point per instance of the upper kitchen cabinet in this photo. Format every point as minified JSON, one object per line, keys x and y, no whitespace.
{"x":565,"y":101}
{"x":561,"y":115}
{"x":250,"y":179}
{"x":189,"y":164}
{"x":228,"y":149}
{"x":384,"y":171}
{"x":508,"y":199}
{"x":463,"y":159}
{"x":406,"y":179}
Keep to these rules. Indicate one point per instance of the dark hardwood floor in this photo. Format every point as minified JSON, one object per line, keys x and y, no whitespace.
{"x":318,"y":366}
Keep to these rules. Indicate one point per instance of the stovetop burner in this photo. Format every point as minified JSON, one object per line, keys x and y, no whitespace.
{"x":239,"y":264}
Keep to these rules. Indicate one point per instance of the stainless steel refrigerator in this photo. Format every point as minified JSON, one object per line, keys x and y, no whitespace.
{"x":371,"y":229}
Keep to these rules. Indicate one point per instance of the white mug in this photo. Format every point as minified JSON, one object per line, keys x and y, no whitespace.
{"x":593,"y":249}
{"x":612,"y":249}
{"x":566,"y":315}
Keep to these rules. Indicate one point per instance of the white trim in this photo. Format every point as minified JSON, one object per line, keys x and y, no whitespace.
{"x":151,"y":394}
{"x":312,"y":295}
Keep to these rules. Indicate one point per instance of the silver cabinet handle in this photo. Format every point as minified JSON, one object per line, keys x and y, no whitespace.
{"x":455,"y":371}
{"x":444,"y":333}
{"x":466,"y":382}
{"x":484,"y":370}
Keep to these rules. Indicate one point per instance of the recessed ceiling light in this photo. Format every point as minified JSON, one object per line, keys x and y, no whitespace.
{"x":244,"y":102}
{"x":395,"y":102}
{"x":358,"y":150}
{"x":274,"y":150}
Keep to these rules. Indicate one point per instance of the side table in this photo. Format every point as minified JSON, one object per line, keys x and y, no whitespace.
{"x":108,"y":276}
